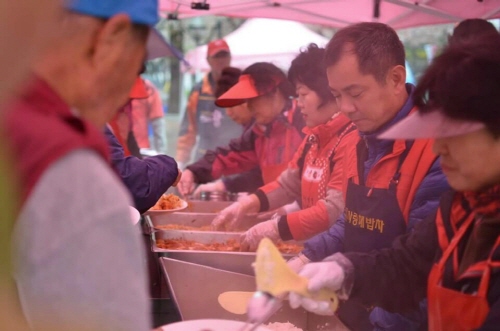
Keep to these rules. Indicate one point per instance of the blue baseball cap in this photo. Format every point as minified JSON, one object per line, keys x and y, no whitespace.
{"x":139,"y":11}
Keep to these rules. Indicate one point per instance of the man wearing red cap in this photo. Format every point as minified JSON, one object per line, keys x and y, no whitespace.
{"x":203,"y":120}
{"x":146,"y":179}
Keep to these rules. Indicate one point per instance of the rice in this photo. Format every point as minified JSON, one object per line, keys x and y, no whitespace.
{"x":282,"y":327}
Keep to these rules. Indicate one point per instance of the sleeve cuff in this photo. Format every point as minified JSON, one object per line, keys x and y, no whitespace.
{"x":284,"y":229}
{"x":264,"y":203}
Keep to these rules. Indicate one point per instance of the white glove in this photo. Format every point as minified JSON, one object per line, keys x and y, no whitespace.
{"x":218,"y":185}
{"x":186,"y":184}
{"x":261,"y":306}
{"x":250,"y":240}
{"x":230,"y":217}
{"x":297,"y":262}
{"x":286,"y":209}
{"x":321,"y":275}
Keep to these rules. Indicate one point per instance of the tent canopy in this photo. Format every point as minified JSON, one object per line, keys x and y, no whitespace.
{"x":338,"y":13}
{"x":261,"y":40}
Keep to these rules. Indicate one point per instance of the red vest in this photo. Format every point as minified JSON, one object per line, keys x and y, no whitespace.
{"x":319,"y":159}
{"x":449,"y":309}
{"x":40,"y":129}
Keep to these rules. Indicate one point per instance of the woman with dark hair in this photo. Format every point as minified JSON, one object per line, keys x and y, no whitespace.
{"x":274,"y":137}
{"x":453,"y":257}
{"x":314,"y":176}
{"x":471,"y":28}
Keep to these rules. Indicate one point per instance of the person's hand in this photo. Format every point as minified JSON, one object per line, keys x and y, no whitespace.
{"x":286,"y":209}
{"x":179,"y":176}
{"x":186,"y":183}
{"x":261,"y":306}
{"x":218,"y":185}
{"x":250,"y":240}
{"x":327,"y":274}
{"x":230,"y":217}
{"x":297,"y":262}
{"x":264,"y":216}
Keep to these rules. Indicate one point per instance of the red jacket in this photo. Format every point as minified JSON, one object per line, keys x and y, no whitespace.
{"x":270,"y":148}
{"x":313,"y":177}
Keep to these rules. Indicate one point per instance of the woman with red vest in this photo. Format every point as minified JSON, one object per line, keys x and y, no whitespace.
{"x":271,"y":141}
{"x":452,"y":257}
{"x":314,"y":176}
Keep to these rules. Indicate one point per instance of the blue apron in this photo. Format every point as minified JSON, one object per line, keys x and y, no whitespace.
{"x":373,"y":219}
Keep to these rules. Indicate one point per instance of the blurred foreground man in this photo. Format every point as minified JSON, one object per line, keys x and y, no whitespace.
{"x":77,"y":257}
{"x":25,"y":27}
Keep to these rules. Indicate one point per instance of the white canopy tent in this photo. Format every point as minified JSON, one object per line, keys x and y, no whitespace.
{"x":261,"y":40}
{"x":339,"y":13}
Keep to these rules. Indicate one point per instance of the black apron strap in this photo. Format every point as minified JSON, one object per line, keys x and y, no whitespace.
{"x":395,"y":179}
{"x":362,"y":155}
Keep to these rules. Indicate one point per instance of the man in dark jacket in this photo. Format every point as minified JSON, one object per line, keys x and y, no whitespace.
{"x":452,"y":257}
{"x":146,"y":179}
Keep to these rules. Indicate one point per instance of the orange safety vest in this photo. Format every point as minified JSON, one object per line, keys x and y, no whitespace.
{"x":449,"y":309}
{"x":415,"y":167}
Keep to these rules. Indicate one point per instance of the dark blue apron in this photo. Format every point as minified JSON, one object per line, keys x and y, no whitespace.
{"x":373,"y":219}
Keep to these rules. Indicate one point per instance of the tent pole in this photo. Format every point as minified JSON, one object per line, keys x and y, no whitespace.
{"x":425,"y":9}
{"x":491,"y":13}
{"x":406,"y":14}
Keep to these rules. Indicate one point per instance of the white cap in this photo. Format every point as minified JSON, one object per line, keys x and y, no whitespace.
{"x":434,"y":124}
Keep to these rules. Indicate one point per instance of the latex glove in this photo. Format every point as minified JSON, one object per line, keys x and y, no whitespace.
{"x":328,"y":274}
{"x":230,"y":217}
{"x":261,"y":306}
{"x":186,"y":183}
{"x":286,"y":209}
{"x":250,"y":240}
{"x":297,"y":262}
{"x":210,"y":187}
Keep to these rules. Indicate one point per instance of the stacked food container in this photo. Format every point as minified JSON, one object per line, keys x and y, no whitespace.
{"x":196,"y":276}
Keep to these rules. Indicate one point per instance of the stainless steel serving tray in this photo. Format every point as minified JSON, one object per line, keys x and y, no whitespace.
{"x":194,"y":220}
{"x":195,"y":289}
{"x":234,"y":261}
{"x":212,"y":207}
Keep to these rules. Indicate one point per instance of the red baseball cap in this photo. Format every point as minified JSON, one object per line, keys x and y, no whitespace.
{"x":241,"y":91}
{"x":434,"y":124}
{"x":139,"y":90}
{"x":217,"y":46}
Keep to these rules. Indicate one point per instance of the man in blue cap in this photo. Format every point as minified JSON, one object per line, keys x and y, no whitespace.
{"x":77,"y":258}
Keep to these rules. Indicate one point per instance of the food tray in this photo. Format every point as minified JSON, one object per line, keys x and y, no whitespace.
{"x":212,"y":207}
{"x":203,"y":237}
{"x":194,"y":219}
{"x":195,"y":289}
